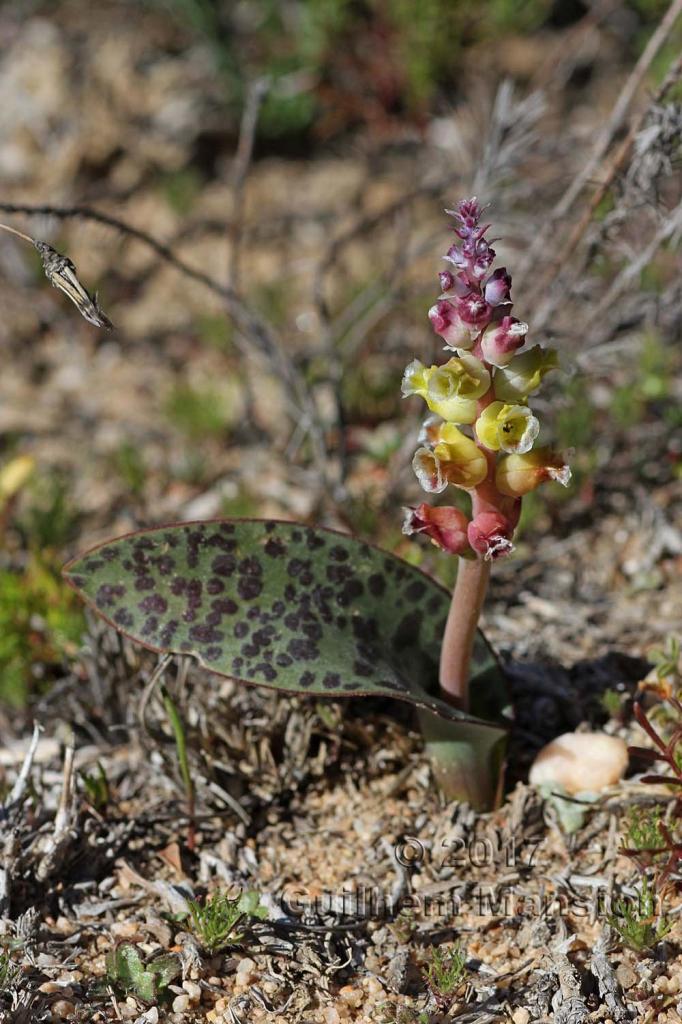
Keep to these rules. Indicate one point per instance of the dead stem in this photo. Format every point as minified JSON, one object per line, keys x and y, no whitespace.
{"x":19,"y":234}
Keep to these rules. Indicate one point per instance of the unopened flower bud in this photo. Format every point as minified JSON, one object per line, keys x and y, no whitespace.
{"x":474,"y":310}
{"x":447,"y":527}
{"x":447,"y":281}
{"x":512,"y":428}
{"x":523,"y":376}
{"x":498,"y":287}
{"x":517,"y":475}
{"x":499,"y":344}
{"x":490,"y":534}
{"x":455,"y":332}
{"x":451,"y":390}
{"x":455,"y":459}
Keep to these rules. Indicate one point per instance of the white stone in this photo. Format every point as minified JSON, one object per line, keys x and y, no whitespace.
{"x":580,"y":762}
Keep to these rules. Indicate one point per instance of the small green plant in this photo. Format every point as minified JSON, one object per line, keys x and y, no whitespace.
{"x":638,"y":922}
{"x":667,"y":663}
{"x":97,"y":789}
{"x":612,"y":703}
{"x":129,"y":464}
{"x":218,"y":923}
{"x":8,"y":971}
{"x":643,"y":828}
{"x":202,"y":412}
{"x":183,"y":761}
{"x":445,"y":973}
{"x":128,"y":973}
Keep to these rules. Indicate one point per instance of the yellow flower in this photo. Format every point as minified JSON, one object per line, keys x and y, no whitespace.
{"x":454,"y":459}
{"x":516,"y":475}
{"x":451,"y":390}
{"x":513,"y":383}
{"x":513,"y":428}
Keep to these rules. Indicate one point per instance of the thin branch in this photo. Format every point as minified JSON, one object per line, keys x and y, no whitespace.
{"x":19,"y":234}
{"x":247,"y":134}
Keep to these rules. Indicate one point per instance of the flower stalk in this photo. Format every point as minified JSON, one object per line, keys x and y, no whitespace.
{"x":480,"y":438}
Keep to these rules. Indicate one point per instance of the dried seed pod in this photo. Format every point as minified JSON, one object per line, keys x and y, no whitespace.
{"x":61,"y":273}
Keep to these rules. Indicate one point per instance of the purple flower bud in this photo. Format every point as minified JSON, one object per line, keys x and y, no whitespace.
{"x":474,"y":310}
{"x":500,"y":344}
{"x":447,"y":281}
{"x":498,"y":287}
{"x":457,"y":257}
{"x":481,"y":259}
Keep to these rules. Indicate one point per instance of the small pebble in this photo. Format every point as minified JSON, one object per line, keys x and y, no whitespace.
{"x":581,"y":762}
{"x":625,"y":976}
{"x":62,"y":1009}
{"x":521,"y":1015}
{"x":181,"y":1003}
{"x":193,"y":991}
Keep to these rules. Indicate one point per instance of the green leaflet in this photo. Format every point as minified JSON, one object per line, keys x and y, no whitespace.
{"x":296,"y":608}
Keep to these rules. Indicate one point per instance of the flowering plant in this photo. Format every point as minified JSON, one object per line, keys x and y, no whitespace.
{"x":484,"y":387}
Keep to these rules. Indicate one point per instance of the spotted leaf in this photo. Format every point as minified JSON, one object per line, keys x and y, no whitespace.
{"x":295,"y":608}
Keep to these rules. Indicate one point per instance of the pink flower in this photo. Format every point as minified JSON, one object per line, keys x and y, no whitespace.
{"x":453,"y":329}
{"x":447,"y":281}
{"x":499,"y":344}
{"x":498,"y":287}
{"x":447,"y":527}
{"x":490,"y":534}
{"x":474,"y":310}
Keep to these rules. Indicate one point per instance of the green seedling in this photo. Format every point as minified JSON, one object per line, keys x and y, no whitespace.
{"x":183,"y":761}
{"x":638,"y":922}
{"x":221,"y":920}
{"x":201,"y":413}
{"x":8,"y":971}
{"x":445,"y":973}
{"x":128,"y":973}
{"x":642,"y":830}
{"x":97,"y":789}
{"x":612,"y":703}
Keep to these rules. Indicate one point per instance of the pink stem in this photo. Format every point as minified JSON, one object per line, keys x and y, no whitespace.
{"x":460,"y":629}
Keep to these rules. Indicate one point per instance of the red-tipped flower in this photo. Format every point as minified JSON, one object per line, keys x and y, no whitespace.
{"x":447,"y":527}
{"x":490,"y":534}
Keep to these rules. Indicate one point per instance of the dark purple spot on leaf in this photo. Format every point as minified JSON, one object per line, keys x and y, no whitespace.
{"x":123,"y":618}
{"x":224,"y":565}
{"x":144,"y":583}
{"x":249,"y":587}
{"x":303,"y":650}
{"x":108,"y":594}
{"x":376,"y":584}
{"x":275,"y":547}
{"x":205,"y":634}
{"x":153,"y":603}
